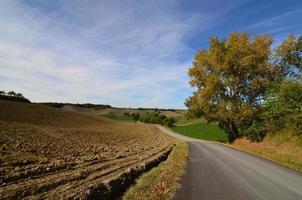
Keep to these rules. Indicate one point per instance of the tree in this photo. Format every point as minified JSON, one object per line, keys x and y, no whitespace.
{"x":284,"y":107}
{"x":289,"y":56}
{"x":169,"y":122}
{"x":19,"y":95}
{"x":135,"y":116}
{"x":2,"y":93}
{"x":231,"y":78}
{"x":283,"y":102}
{"x":11,"y":93}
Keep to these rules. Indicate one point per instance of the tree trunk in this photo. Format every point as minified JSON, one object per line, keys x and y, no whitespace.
{"x":233,"y":132}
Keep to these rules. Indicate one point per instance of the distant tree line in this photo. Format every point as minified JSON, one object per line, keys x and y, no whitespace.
{"x":248,"y":87}
{"x":156,"y":109}
{"x":13,"y":96}
{"x":153,"y":118}
{"x":85,"y":105}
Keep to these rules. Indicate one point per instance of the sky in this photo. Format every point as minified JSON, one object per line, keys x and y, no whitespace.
{"x":124,"y":53}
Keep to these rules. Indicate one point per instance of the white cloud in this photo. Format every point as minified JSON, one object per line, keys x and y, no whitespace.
{"x":275,"y":20}
{"x":124,"y":54}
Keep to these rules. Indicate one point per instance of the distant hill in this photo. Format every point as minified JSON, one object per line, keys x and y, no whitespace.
{"x":105,"y":109}
{"x":37,"y":114}
{"x":97,"y":109}
{"x":85,"y":105}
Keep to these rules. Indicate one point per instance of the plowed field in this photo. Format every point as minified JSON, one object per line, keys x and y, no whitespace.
{"x":51,"y":153}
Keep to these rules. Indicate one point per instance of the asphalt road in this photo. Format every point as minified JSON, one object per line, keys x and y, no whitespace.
{"x":215,"y":171}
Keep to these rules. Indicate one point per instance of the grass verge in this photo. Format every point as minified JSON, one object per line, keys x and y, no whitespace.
{"x":202,"y":130}
{"x":283,"y":148}
{"x":161,"y":182}
{"x":184,"y":122}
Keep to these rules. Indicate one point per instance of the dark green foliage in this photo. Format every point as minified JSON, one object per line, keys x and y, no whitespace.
{"x":135,"y":116}
{"x":156,"y":118}
{"x":148,"y":117}
{"x":256,"y":131}
{"x":284,"y":107}
{"x":169,"y":121}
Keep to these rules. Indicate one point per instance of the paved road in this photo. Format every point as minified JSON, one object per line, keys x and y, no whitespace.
{"x":215,"y":171}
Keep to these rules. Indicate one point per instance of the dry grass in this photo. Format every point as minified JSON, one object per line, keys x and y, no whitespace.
{"x":51,"y":153}
{"x":284,"y":148}
{"x":177,"y":113}
{"x":161,"y":182}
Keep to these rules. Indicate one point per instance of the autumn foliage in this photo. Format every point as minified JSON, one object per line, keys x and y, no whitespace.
{"x":233,"y":78}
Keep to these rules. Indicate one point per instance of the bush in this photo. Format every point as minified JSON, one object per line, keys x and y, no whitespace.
{"x":135,"y":116}
{"x":284,"y":107}
{"x":155,"y":118}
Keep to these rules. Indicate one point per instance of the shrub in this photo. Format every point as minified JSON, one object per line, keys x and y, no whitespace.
{"x":284,"y":106}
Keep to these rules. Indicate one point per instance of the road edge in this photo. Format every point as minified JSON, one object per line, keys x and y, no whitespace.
{"x":163,"y":181}
{"x":237,"y":148}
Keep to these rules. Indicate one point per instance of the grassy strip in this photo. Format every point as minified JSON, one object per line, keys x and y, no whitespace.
{"x":184,"y":122}
{"x":284,"y":148}
{"x":117,"y":117}
{"x":162,"y":181}
{"x":202,"y":130}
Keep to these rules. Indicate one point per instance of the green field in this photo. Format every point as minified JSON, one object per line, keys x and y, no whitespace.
{"x":117,"y":117}
{"x":202,"y":130}
{"x":184,"y":122}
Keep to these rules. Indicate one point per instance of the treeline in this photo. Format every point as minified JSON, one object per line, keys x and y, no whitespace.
{"x":85,"y":105}
{"x":153,"y":118}
{"x":248,"y":87}
{"x":13,"y":96}
{"x":156,"y":109}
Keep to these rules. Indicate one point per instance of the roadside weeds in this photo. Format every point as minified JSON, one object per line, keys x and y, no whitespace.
{"x":161,"y":182}
{"x":286,"y":154}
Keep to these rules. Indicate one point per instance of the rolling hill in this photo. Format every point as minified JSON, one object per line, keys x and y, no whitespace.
{"x":50,"y":152}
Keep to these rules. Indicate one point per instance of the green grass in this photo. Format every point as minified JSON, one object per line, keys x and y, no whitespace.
{"x":117,"y":117}
{"x":184,"y":122}
{"x":202,"y":130}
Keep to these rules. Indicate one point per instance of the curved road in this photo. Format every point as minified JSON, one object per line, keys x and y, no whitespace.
{"x":215,"y":171}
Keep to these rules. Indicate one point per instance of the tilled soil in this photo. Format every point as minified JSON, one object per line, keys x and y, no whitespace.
{"x":55,"y":154}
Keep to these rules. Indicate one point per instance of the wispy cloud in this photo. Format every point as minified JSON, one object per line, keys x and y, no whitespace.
{"x":274,"y":20}
{"x":124,"y":53}
{"x":105,"y":52}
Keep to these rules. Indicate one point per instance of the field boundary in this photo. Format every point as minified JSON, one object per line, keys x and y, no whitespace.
{"x":115,"y":187}
{"x":163,"y":181}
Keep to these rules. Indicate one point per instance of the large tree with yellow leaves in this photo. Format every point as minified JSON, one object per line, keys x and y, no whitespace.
{"x":231,"y":78}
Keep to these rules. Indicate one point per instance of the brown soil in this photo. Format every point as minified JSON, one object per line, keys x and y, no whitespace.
{"x":53,"y":153}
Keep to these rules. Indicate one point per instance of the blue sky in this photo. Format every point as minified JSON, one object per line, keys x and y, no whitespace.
{"x":123,"y":53}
